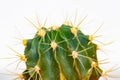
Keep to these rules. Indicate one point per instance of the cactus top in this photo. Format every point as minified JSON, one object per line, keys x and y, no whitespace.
{"x":61,"y":53}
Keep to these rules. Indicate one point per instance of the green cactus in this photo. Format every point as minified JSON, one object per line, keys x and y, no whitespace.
{"x":61,"y":53}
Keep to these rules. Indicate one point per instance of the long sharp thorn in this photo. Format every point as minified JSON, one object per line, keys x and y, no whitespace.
{"x":78,"y":25}
{"x":31,"y":23}
{"x":98,"y":29}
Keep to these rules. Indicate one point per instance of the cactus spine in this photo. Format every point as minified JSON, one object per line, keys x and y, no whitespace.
{"x":61,"y":53}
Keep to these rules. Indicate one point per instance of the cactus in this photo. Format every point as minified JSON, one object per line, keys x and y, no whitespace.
{"x":61,"y":53}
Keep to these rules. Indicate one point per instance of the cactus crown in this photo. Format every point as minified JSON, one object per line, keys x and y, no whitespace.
{"x":61,"y":53}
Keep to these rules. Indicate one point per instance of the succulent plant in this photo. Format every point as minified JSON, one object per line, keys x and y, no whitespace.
{"x":61,"y":53}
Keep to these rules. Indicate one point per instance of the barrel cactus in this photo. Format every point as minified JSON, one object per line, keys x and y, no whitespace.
{"x":60,"y":53}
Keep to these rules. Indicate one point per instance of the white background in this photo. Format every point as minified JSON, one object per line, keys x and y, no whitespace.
{"x":14,"y":25}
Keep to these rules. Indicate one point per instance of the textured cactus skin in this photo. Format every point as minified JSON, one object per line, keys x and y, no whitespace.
{"x":60,"y":62}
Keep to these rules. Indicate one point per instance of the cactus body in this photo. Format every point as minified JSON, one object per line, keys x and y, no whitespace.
{"x":61,"y":53}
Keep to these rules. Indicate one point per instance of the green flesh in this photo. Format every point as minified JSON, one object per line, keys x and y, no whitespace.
{"x":54,"y":62}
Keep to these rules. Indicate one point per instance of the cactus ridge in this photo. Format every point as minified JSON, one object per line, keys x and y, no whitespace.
{"x":61,"y":53}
